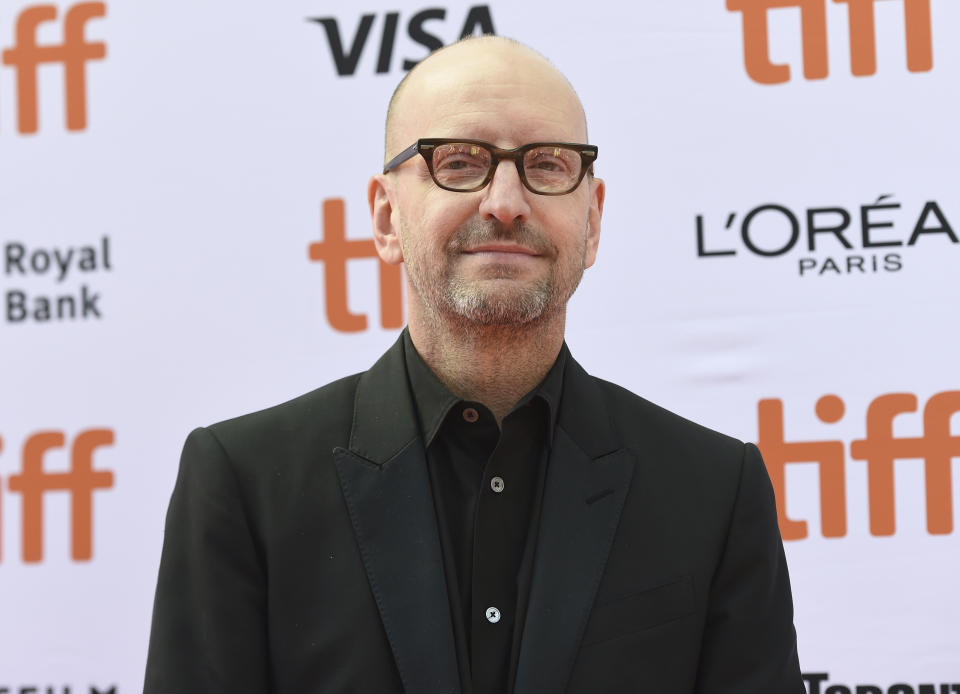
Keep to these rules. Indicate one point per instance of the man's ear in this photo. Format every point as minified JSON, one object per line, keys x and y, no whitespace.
{"x":597,"y":192}
{"x":386,"y":235}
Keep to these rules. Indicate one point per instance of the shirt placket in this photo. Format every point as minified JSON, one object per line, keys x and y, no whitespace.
{"x":501,"y":525}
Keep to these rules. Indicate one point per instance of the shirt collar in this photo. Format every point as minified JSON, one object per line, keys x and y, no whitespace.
{"x":433,"y":400}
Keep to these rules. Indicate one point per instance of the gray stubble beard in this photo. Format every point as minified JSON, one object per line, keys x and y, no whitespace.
{"x":482,"y":307}
{"x":468,"y":304}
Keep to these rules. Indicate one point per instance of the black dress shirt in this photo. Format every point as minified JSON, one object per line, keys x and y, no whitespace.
{"x":487,"y":484}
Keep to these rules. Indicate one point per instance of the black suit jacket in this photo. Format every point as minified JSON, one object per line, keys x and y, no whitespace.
{"x":302,"y":555}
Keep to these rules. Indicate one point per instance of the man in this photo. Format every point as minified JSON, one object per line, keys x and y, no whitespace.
{"x":475,"y":513}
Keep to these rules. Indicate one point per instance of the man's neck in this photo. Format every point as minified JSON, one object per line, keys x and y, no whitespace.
{"x":494,"y":365}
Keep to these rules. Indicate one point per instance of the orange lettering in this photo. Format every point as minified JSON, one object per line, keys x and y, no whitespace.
{"x":828,"y":454}
{"x":879,"y":449}
{"x":756,"y":48}
{"x":30,"y":484}
{"x":84,"y":479}
{"x":863,"y":49}
{"x":80,"y":481}
{"x":919,"y":31}
{"x":74,"y":52}
{"x":813,"y":21}
{"x":334,"y":252}
{"x":941,"y":447}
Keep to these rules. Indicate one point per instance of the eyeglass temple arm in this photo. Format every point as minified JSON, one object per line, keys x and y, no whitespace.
{"x":402,"y":157}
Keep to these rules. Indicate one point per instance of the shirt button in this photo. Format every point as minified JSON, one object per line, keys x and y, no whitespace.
{"x":496,"y":484}
{"x":470,"y":415}
{"x":493,"y":615}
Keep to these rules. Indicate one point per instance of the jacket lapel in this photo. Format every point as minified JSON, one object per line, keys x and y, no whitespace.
{"x":385,"y":482}
{"x":587,"y":481}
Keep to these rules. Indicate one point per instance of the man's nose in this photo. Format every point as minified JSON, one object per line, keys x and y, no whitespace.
{"x":505,"y":198}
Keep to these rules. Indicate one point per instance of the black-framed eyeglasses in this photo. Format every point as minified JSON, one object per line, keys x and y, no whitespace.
{"x":464,"y":166}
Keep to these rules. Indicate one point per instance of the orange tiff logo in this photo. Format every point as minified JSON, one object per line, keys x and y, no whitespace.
{"x":80,"y":481}
{"x":73,"y":53}
{"x":878,"y":449}
{"x":334,"y":251}
{"x":813,"y":26}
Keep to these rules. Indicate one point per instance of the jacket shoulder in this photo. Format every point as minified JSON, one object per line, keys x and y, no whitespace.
{"x":642,"y":423}
{"x":319,"y":419}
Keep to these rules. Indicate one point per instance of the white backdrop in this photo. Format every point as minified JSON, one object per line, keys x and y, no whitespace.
{"x":188,"y":169}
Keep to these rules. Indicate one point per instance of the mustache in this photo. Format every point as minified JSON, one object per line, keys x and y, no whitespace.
{"x":480,"y":232}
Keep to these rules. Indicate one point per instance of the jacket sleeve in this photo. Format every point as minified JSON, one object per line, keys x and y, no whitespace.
{"x":749,"y":644}
{"x":208,"y":634}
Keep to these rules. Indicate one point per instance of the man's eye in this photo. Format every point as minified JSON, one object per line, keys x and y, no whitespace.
{"x":548,"y":165}
{"x":553,"y":160}
{"x":460,"y":163}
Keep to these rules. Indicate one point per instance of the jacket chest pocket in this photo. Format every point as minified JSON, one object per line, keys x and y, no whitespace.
{"x":648,"y":608}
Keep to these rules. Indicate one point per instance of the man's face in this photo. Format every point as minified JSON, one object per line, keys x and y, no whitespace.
{"x":502,"y":255}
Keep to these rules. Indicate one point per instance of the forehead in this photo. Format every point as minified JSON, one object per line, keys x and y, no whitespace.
{"x":506,"y":95}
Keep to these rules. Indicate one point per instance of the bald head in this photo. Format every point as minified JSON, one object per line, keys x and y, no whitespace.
{"x":474,"y":66}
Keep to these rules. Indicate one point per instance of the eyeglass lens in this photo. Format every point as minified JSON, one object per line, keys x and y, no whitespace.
{"x":548,"y":169}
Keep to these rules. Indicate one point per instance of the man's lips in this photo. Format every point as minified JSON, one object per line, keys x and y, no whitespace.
{"x":505,"y":248}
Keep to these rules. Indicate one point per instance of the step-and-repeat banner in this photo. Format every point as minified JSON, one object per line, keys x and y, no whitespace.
{"x":185,"y":237}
